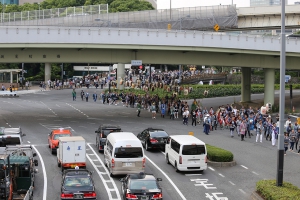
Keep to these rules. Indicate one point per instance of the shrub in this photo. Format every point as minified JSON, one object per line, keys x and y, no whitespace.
{"x":268,"y":190}
{"x":217,"y":154}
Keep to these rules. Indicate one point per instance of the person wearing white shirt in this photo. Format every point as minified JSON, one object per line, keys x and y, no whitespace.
{"x":288,"y":121}
{"x":185,"y":115}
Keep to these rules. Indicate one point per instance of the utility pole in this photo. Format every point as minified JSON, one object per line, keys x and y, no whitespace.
{"x":280,"y":154}
{"x":62,"y":72}
{"x":22,"y":76}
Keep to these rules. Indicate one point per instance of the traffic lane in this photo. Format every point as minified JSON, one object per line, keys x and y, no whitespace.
{"x":54,"y":176}
{"x":38,"y":180}
{"x":192,"y":184}
{"x":168,"y":193}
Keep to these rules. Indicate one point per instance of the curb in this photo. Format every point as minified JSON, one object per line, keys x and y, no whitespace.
{"x":255,"y":196}
{"x":221,"y":164}
{"x":9,"y":96}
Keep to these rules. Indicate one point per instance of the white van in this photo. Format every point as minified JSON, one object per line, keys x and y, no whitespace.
{"x":186,"y":153}
{"x":124,"y":154}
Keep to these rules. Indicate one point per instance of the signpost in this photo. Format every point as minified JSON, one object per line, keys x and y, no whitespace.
{"x":136,"y":62}
{"x":216,"y":27}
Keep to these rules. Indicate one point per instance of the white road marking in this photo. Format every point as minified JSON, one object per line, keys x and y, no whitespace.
{"x":244,"y":166}
{"x":293,"y":116}
{"x":231,"y":183}
{"x":28,"y":142}
{"x":222,"y":175}
{"x":107,"y":172}
{"x":212,"y":169}
{"x":57,"y":105}
{"x":44,"y":173}
{"x":255,"y":173}
{"x":163,"y":153}
{"x":242,"y":191}
{"x":172,"y":183}
{"x":101,"y":177}
{"x":193,"y":174}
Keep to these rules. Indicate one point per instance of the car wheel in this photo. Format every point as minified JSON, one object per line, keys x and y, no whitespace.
{"x":105,"y":162}
{"x":58,"y":163}
{"x":176,"y":169}
{"x":62,"y":168}
{"x":201,"y":171}
{"x":110,"y":174}
{"x":167,"y":159}
{"x":52,"y":152}
{"x":146,"y":146}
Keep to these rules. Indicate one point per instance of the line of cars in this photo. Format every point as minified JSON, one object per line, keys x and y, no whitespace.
{"x":123,"y":154}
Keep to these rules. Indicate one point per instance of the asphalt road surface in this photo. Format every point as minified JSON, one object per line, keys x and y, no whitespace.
{"x":38,"y":113}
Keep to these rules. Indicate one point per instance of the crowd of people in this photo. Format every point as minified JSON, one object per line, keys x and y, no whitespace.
{"x":244,"y":123}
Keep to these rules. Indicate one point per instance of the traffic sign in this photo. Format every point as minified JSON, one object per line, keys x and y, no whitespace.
{"x":216,"y":27}
{"x":169,"y":26}
{"x":136,"y":62}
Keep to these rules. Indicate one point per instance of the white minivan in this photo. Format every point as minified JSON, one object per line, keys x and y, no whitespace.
{"x":186,"y":153}
{"x":124,"y":154}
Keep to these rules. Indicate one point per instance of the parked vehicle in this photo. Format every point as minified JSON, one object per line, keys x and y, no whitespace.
{"x":17,"y":165}
{"x":10,"y":136}
{"x":141,"y":186}
{"x":186,"y":153}
{"x":102,"y":133}
{"x":53,"y":138}
{"x":77,"y":184}
{"x":153,"y":138}
{"x":71,"y":152}
{"x":123,"y":154}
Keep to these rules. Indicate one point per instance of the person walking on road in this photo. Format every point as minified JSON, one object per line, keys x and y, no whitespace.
{"x":87,"y":96}
{"x":274,"y":134}
{"x":95,"y":96}
{"x":259,"y":131}
{"x":286,"y":142}
{"x":153,"y":110}
{"x":292,"y":140}
{"x":243,"y":129}
{"x":82,"y":94}
{"x":139,"y":106}
{"x":74,"y":95}
{"x":232,"y":127}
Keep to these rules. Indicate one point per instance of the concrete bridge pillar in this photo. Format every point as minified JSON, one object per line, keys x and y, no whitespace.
{"x":120,"y":76}
{"x":246,"y":84}
{"x":269,"y":86}
{"x":47,"y":72}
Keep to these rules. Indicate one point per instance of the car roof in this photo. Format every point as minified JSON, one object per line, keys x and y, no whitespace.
{"x":155,"y":129}
{"x":142,"y":176}
{"x":187,"y":139}
{"x":61,"y":131}
{"x":110,"y":126}
{"x":77,"y":172}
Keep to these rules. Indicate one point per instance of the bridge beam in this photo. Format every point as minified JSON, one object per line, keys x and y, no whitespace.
{"x":47,"y":72}
{"x":121,"y":75}
{"x":269,"y":86}
{"x":246,"y":84}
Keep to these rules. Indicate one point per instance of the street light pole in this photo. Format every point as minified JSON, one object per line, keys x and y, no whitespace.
{"x":39,"y":11}
{"x":280,"y":155}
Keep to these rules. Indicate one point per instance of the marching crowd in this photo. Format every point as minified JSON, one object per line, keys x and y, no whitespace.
{"x":245,"y":122}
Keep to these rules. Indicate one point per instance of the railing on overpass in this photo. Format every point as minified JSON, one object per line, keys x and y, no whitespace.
{"x":193,"y":18}
{"x":221,"y":77}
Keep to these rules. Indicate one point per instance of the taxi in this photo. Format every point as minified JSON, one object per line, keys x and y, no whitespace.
{"x":54,"y":135}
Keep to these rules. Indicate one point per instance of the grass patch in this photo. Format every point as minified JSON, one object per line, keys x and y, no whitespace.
{"x":217,"y":154}
{"x":269,"y":191}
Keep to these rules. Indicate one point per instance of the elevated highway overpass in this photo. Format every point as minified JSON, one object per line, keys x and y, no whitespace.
{"x":228,"y":17}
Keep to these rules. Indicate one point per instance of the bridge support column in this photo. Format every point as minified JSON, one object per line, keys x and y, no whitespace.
{"x":120,"y":76}
{"x":47,"y":72}
{"x":269,"y":86}
{"x":246,"y":84}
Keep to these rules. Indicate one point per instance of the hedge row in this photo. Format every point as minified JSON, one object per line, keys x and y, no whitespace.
{"x":217,"y":154}
{"x":269,"y":191}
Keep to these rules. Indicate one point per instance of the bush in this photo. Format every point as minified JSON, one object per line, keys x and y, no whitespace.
{"x":268,"y":190}
{"x":217,"y":154}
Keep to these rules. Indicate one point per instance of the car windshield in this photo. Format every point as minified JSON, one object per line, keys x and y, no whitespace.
{"x":159,"y":134}
{"x":128,"y":152}
{"x":78,"y":182}
{"x":143,"y":185}
{"x":9,"y":141}
{"x":60,"y":135}
{"x":193,"y":150}
{"x":106,"y":132}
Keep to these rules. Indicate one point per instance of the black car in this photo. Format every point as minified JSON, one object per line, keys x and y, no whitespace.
{"x":141,"y":186}
{"x":153,"y":138}
{"x":77,"y":184}
{"x":102,"y":132}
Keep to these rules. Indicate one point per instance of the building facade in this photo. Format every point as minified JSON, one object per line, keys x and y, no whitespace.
{"x":21,"y":2}
{"x":254,"y":3}
{"x":8,"y":2}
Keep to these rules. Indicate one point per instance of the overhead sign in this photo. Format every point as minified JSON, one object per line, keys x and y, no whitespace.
{"x":136,"y":62}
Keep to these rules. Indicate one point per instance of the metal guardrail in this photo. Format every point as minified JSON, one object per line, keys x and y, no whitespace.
{"x":192,"y":18}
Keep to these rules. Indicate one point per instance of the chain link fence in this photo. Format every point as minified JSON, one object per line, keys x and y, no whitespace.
{"x":193,"y":18}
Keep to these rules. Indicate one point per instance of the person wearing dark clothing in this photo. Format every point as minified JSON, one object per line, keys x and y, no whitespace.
{"x":87,"y":96}
{"x":194,"y":117}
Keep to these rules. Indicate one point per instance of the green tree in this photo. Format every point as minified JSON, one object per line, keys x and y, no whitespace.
{"x":129,"y":5}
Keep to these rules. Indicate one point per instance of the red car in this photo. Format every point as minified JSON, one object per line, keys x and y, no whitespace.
{"x":53,"y":138}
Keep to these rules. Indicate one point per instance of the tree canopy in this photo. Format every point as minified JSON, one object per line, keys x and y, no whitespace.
{"x":114,"y":5}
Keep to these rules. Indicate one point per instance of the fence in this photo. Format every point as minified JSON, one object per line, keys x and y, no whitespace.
{"x":193,"y":18}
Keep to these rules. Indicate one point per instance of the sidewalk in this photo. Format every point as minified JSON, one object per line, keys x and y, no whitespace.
{"x":32,"y":89}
